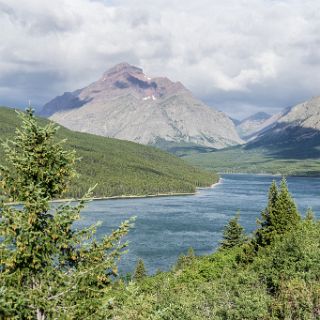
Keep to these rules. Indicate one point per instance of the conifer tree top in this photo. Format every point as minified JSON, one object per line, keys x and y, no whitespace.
{"x":280,"y":215}
{"x":233,"y":234}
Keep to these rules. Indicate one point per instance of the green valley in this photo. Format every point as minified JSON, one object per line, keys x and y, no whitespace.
{"x":257,"y":160}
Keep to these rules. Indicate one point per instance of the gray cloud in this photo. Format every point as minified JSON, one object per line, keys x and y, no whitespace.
{"x":240,"y":56}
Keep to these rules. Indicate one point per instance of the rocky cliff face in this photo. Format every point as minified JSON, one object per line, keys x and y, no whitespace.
{"x":298,"y":126}
{"x":128,"y":105}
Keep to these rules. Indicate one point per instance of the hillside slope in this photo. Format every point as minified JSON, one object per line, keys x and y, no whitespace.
{"x":119,"y":167}
{"x":126,"y":104}
{"x":297,"y":131}
{"x":291,"y":145}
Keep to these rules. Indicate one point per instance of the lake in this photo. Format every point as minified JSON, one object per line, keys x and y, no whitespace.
{"x":168,"y":226}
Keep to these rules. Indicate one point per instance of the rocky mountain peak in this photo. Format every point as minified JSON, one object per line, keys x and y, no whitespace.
{"x":125,"y":79}
{"x":122,"y":67}
{"x":127,"y":104}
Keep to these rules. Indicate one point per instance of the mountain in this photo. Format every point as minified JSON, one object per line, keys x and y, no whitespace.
{"x":248,"y":127}
{"x":118,"y":167}
{"x":126,"y":104}
{"x":296,"y":131}
{"x":290,"y":145}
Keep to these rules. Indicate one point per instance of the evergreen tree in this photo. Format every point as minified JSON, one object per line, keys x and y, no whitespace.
{"x":280,"y":216}
{"x":272,"y":200}
{"x":185,"y":260}
{"x":181,"y":262}
{"x":140,"y":271}
{"x":233,"y":234}
{"x":310,"y":215}
{"x":48,"y":269}
{"x":263,"y":234}
{"x":191,"y":253}
{"x":286,"y":215}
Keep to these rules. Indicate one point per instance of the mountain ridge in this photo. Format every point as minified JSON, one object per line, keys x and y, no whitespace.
{"x":126,"y":104}
{"x":299,"y":124}
{"x":290,"y":146}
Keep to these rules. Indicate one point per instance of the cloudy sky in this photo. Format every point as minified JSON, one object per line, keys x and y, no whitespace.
{"x":240,"y":56}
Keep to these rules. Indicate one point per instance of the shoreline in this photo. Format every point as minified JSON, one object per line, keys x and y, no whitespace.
{"x":158,"y":195}
{"x":306,"y":175}
{"x":122,"y":197}
{"x":211,"y":186}
{"x":256,"y":174}
{"x":175,"y":194}
{"x":217,"y":183}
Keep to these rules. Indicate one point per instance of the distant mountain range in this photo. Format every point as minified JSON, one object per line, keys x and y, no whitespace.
{"x":296,"y":129}
{"x":126,"y":104}
{"x":286,"y":143}
{"x":292,"y":125}
{"x":252,"y":124}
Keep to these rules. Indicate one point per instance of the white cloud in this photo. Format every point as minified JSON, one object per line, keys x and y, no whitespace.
{"x":234,"y":53}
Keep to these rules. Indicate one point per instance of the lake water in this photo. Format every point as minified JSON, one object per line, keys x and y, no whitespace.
{"x":168,"y":226}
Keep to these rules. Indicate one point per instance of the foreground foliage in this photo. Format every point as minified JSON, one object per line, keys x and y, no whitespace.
{"x":282,"y":282}
{"x":118,"y":167}
{"x":48,"y":269}
{"x":277,"y":279}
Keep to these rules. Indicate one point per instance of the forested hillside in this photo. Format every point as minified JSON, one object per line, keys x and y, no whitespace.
{"x":119,"y":167}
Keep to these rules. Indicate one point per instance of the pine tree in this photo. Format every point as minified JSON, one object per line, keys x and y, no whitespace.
{"x":233,"y":234}
{"x":263,"y":234}
{"x":280,"y":216}
{"x":140,"y":271}
{"x":185,"y":260}
{"x":48,"y":269}
{"x":272,"y":200}
{"x":286,"y":215}
{"x":190,"y":254}
{"x":309,"y":215}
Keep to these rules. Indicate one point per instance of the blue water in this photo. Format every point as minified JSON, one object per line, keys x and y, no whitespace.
{"x":168,"y":226}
